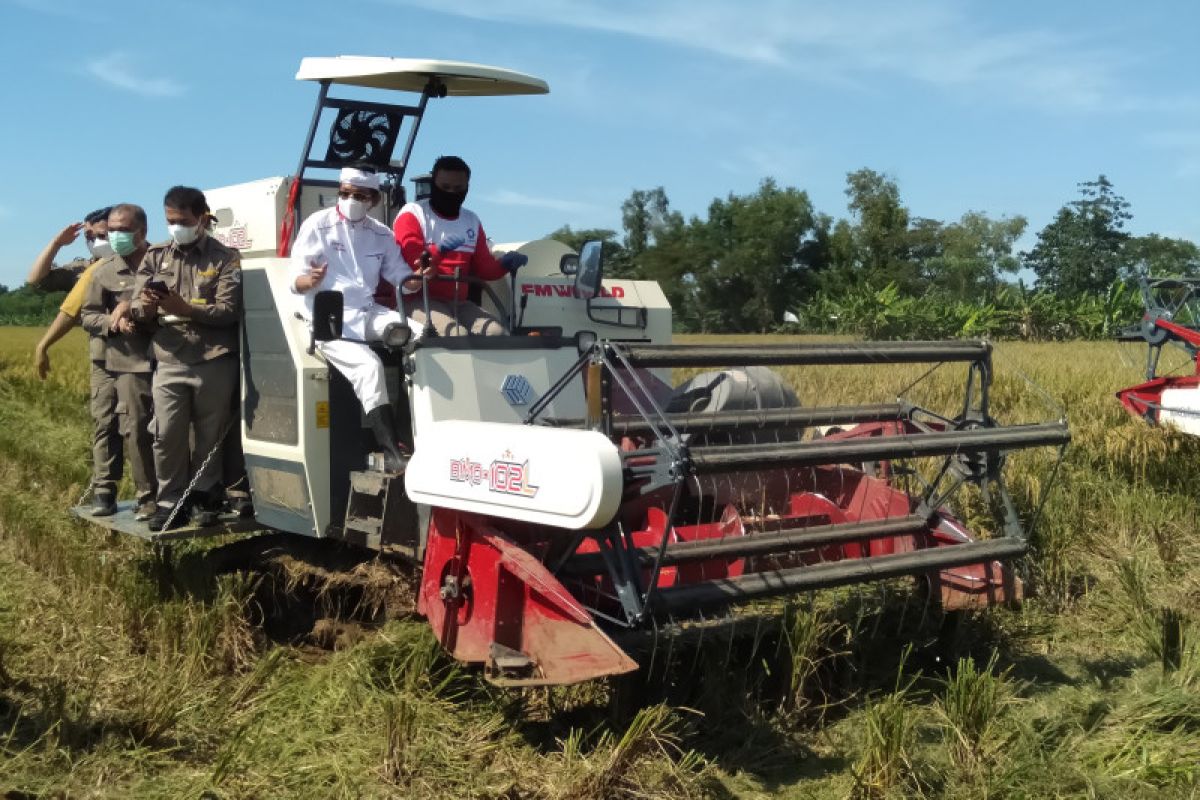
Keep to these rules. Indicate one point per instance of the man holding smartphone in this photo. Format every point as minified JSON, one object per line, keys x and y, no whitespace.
{"x":189,"y":291}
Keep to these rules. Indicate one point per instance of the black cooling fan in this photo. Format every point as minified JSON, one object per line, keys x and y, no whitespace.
{"x":359,"y":136}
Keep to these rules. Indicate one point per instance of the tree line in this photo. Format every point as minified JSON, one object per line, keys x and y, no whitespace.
{"x":769,"y":260}
{"x":28,"y":305}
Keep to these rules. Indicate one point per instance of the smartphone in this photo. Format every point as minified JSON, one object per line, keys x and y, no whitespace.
{"x":157,"y":286}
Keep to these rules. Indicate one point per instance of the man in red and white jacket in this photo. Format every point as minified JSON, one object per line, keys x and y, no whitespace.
{"x":437,"y":237}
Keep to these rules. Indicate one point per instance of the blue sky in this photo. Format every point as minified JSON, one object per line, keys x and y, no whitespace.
{"x":996,"y":107}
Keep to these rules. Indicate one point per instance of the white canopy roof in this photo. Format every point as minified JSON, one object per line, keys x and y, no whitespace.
{"x":462,"y":79}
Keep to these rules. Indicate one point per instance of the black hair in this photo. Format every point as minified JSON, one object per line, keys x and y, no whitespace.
{"x":139,"y":213}
{"x":186,"y":198}
{"x":99,"y":215}
{"x":450,"y":164}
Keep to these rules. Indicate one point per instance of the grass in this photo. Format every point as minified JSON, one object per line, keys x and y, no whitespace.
{"x":118,"y":678}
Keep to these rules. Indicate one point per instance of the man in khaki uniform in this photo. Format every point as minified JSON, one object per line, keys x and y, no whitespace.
{"x":190,"y":290}
{"x":105,"y":315}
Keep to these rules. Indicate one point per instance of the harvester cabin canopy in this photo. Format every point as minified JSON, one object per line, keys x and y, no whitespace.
{"x":367,"y":132}
{"x":460,"y":78}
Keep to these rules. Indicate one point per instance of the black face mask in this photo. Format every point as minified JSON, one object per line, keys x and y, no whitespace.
{"x":446,"y":204}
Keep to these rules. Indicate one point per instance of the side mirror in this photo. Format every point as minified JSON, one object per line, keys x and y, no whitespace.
{"x":590,"y":270}
{"x":328,"y":307}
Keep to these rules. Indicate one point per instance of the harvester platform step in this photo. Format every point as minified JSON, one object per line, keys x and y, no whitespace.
{"x":757,"y":585}
{"x":124,"y":522}
{"x":759,"y":544}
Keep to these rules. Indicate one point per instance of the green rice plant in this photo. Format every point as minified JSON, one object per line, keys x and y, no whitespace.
{"x":645,"y":760}
{"x":809,"y":638}
{"x":972,"y":704}
{"x":886,"y":762}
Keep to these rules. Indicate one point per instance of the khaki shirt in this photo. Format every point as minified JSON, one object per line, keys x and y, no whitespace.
{"x":208,"y":275}
{"x":112,"y":282}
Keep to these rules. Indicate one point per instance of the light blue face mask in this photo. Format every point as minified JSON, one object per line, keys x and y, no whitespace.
{"x":123,"y":242}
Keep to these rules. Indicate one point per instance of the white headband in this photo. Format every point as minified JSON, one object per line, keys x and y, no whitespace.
{"x":360,"y":178}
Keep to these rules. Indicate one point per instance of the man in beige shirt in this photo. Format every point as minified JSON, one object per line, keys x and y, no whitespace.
{"x":126,"y":345}
{"x":190,"y":292}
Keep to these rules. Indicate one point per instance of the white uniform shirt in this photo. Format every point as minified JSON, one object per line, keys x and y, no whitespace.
{"x":357,"y":254}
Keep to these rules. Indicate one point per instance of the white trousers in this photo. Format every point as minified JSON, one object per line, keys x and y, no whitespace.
{"x":356,"y":360}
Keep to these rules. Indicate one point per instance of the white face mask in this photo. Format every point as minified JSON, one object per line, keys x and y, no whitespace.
{"x":184,"y":234}
{"x":352,"y":209}
{"x":99,"y":247}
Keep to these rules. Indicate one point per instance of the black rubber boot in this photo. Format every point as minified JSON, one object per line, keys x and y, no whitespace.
{"x":104,"y":506}
{"x":383,"y":425}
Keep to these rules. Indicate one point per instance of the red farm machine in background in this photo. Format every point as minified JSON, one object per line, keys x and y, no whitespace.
{"x":1172,"y":317}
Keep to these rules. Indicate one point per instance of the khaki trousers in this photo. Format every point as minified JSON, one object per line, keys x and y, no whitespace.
{"x":471,"y":319}
{"x":191,"y":407}
{"x":136,"y":404}
{"x":107,"y":451}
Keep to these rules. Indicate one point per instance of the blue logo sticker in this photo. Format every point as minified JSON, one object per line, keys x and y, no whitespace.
{"x":516,"y":390}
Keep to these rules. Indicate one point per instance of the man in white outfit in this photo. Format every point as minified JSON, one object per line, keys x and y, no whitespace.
{"x":345,"y":250}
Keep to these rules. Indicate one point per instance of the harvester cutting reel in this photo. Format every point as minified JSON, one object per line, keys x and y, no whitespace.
{"x":722,"y":496}
{"x":1172,"y":317}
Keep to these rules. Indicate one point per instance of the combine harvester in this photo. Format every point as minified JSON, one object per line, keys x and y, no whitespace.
{"x":1172,"y":317}
{"x":563,"y":497}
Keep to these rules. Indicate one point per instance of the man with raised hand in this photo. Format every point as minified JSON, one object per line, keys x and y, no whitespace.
{"x":440,"y":238}
{"x":344,"y":249}
{"x":44,"y":275}
{"x":107,"y":447}
{"x":105,"y":316}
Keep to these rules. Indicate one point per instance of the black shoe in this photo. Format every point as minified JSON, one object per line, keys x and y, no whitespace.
{"x":105,"y":505}
{"x":158,"y":522}
{"x":383,"y":425}
{"x":241,"y":505}
{"x":205,"y":507}
{"x":145,"y":509}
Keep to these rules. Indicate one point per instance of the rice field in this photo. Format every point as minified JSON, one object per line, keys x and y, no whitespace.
{"x":127,"y":671}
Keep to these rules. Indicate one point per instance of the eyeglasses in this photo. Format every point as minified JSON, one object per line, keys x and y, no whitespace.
{"x":359,"y":196}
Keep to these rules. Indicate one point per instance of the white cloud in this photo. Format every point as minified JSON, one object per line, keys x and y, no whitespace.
{"x":119,"y":71}
{"x":507,"y":197}
{"x":930,"y":42}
